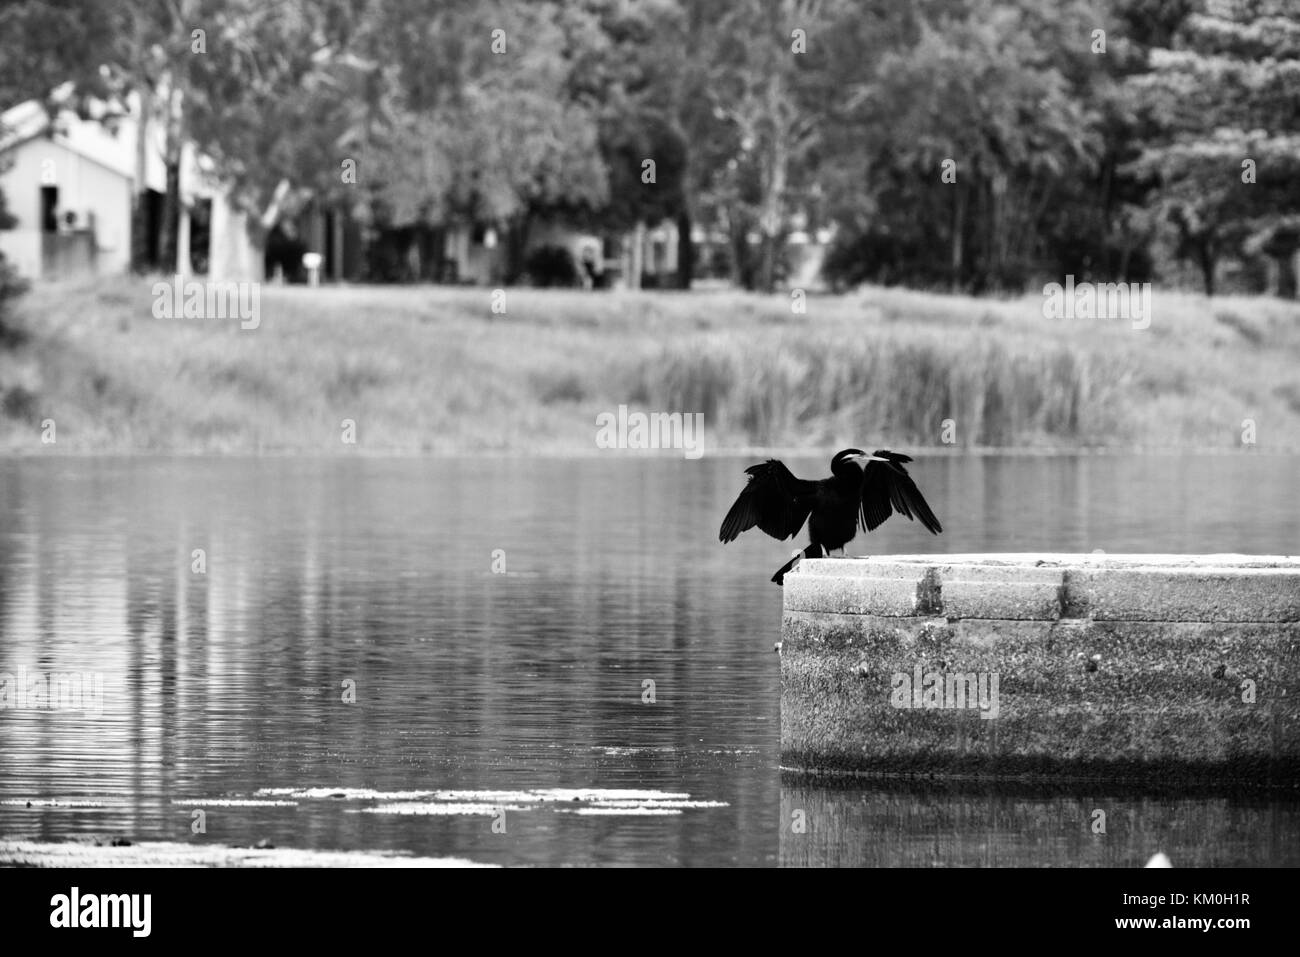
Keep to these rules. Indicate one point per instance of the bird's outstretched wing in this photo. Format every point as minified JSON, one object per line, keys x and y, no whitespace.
{"x":774,"y":500}
{"x":887,"y":488}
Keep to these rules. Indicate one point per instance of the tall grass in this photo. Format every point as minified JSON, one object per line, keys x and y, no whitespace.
{"x":433,"y":370}
{"x":811,"y":388}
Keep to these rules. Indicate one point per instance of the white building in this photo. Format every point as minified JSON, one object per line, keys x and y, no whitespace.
{"x":69,"y":184}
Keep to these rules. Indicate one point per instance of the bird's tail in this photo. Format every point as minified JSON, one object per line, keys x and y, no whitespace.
{"x":812,"y":551}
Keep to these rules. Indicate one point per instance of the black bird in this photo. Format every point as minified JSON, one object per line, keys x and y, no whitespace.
{"x":862,"y":488}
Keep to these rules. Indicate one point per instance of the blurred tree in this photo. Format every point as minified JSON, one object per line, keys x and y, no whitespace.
{"x":46,"y":45}
{"x":769,"y":83}
{"x":474,"y":125}
{"x":969,"y":123}
{"x":414,"y":115}
{"x":628,"y":60}
{"x":1223,"y":104}
{"x":11,"y":284}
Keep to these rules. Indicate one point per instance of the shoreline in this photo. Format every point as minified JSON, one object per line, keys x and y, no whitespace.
{"x":582,"y":453}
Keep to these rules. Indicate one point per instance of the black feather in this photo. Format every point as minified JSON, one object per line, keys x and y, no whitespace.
{"x":774,"y":500}
{"x":887,"y":488}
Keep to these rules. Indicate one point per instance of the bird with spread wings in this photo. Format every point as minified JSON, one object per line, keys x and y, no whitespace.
{"x":863,"y":490}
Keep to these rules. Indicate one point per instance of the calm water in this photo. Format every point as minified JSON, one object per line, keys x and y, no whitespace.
{"x":476,"y":691}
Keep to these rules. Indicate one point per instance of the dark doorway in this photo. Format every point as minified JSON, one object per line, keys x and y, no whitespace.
{"x":50,"y":209}
{"x":201,"y":236}
{"x":153,"y":219}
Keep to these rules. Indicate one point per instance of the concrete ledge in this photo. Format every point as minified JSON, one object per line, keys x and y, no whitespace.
{"x":1113,"y":667}
{"x":1039,"y":587}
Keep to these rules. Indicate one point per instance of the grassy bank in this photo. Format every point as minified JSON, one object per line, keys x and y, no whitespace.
{"x":432,"y":370}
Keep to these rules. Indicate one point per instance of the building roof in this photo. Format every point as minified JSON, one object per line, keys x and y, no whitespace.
{"x":108,"y":144}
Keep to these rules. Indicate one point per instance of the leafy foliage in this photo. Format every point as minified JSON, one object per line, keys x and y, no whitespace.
{"x":762,"y":118}
{"x":1223,"y":104}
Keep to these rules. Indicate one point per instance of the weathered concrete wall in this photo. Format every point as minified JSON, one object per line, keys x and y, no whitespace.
{"x":1120,"y":667}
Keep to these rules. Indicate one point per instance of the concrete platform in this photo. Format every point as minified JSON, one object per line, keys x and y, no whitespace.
{"x":1111,"y":667}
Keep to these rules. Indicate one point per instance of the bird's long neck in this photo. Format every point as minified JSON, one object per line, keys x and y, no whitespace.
{"x":846,"y":476}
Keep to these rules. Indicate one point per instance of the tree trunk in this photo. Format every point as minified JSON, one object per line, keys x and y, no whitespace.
{"x":1207,"y":259}
{"x":685,"y":251}
{"x":737,"y":279}
{"x":167,"y":252}
{"x":1287,"y":277}
{"x":336,"y":244}
{"x":637,"y":266}
{"x":742,"y":273}
{"x":773,"y":195}
{"x":139,"y":210}
{"x":1002,"y":223}
{"x":184,"y":255}
{"x":175,"y":146}
{"x":958,"y":227}
{"x":140,"y":263}
{"x":516,"y":239}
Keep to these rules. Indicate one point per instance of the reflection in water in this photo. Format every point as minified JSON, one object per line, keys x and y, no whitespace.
{"x":982,"y":825}
{"x":341,"y":627}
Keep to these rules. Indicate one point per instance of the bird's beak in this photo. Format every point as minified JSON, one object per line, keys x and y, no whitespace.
{"x":864,"y":458}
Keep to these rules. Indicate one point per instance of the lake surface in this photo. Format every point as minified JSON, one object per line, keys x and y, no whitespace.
{"x":504,"y":716}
